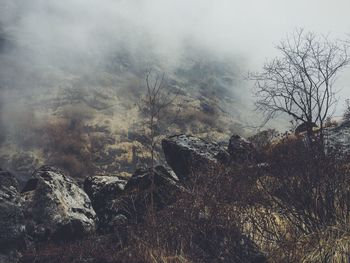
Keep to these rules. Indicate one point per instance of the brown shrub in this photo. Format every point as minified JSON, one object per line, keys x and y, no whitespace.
{"x":304,"y":193}
{"x":295,"y":209}
{"x":67,"y":146}
{"x":200,"y":227}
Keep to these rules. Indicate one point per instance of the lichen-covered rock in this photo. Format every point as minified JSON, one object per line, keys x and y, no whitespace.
{"x":138,"y":192}
{"x":141,"y":179}
{"x":55,"y":207}
{"x":101,"y":187}
{"x":117,"y":201}
{"x":189,"y":155}
{"x":12,"y":225}
{"x":241,"y":150}
{"x":103,"y":191}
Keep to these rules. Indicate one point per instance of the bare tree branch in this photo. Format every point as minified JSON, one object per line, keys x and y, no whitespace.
{"x":300,"y":83}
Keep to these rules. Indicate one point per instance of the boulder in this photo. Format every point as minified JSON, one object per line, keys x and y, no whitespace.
{"x":166,"y":186}
{"x":141,"y":179}
{"x":12,"y":226}
{"x":189,"y":155}
{"x":138,"y":192}
{"x":55,"y":207}
{"x":103,"y":192}
{"x":119,"y":202}
{"x":241,"y":150}
{"x":100,"y":188}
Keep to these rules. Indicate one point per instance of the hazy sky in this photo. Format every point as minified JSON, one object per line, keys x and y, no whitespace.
{"x":247,"y":29}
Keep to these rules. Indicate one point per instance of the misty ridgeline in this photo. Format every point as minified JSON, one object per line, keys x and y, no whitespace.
{"x":127,"y":147}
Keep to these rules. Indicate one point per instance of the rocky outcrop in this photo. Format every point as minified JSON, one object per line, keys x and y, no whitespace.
{"x":118,"y":202}
{"x":141,"y":179}
{"x":100,"y":188}
{"x":138,"y":192}
{"x":166,"y":186}
{"x":189,"y":155}
{"x":12,"y":224}
{"x":103,"y":192}
{"x":241,"y":150}
{"x":55,"y":207}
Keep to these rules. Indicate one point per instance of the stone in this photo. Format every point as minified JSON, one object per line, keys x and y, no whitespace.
{"x":188,"y":155}
{"x":103,"y":191}
{"x":56,"y":207}
{"x":118,"y":202}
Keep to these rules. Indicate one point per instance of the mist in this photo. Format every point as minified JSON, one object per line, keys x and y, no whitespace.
{"x":239,"y":27}
{"x":129,"y":131}
{"x":86,"y":33}
{"x":52,"y":47}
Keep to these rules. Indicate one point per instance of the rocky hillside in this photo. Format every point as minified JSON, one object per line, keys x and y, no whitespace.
{"x":52,"y":207}
{"x":244,"y":202}
{"x":87,"y":120}
{"x":209,"y":203}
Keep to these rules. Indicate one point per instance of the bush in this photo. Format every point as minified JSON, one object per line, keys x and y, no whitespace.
{"x":304,"y":195}
{"x":295,"y":209}
{"x":67,"y":146}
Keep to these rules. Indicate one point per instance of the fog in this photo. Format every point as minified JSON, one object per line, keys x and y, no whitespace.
{"x":81,"y":35}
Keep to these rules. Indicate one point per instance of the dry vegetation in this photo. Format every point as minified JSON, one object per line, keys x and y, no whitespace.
{"x":296,"y":209}
{"x":302,"y":214}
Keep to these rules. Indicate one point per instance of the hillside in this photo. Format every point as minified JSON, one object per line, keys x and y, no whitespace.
{"x":87,"y":120}
{"x":174,"y":131}
{"x":280,"y":203}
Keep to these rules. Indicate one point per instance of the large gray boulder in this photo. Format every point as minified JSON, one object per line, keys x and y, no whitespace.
{"x":12,"y":226}
{"x":189,"y":156}
{"x":118,"y":202}
{"x":55,"y":207}
{"x":104,"y":191}
{"x":101,"y":187}
{"x":166,"y":187}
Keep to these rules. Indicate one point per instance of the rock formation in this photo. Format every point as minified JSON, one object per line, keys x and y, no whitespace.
{"x":52,"y":207}
{"x":55,"y":207}
{"x":187,"y":155}
{"x":118,"y":201}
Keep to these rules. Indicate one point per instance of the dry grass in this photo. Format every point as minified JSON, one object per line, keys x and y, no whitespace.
{"x":294,"y":210}
{"x":302,"y":212}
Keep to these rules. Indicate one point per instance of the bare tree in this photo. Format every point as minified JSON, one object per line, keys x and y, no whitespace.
{"x":153,"y":104}
{"x":300,"y":83}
